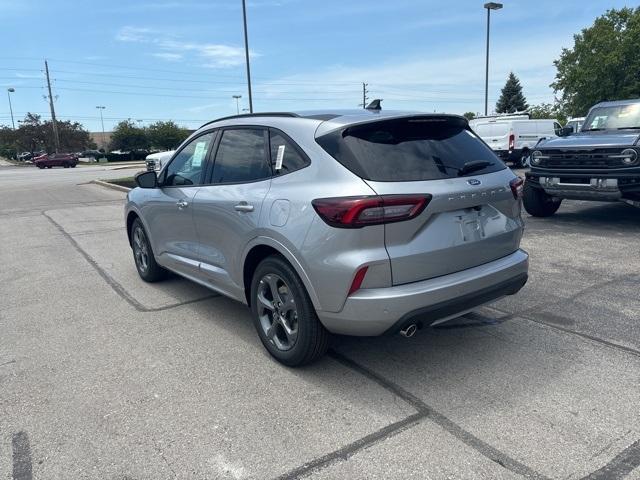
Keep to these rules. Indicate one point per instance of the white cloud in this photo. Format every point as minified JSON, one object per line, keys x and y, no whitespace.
{"x":171,"y":57}
{"x":172,"y":48}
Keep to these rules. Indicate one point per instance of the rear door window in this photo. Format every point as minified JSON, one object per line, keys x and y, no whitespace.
{"x":285,"y":156}
{"x":410,"y":149}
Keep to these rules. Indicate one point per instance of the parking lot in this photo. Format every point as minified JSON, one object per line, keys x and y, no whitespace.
{"x":104,"y":376}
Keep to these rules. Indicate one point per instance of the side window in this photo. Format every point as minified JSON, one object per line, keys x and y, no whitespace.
{"x":187,"y":166}
{"x":241,"y":156}
{"x":557,"y":127}
{"x":285,"y":157}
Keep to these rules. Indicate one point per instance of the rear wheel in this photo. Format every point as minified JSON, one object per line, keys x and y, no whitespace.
{"x":41,"y":167}
{"x":146,"y":264}
{"x":284,"y":316}
{"x":65,"y":165}
{"x":73,"y":165}
{"x":538,"y":203}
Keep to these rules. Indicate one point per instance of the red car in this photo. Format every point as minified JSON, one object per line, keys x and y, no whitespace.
{"x":65,"y":160}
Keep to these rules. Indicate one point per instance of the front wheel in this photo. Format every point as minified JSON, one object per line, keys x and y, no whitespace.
{"x":538,"y":203}
{"x":284,"y":316}
{"x":523,"y":161}
{"x":146,"y":264}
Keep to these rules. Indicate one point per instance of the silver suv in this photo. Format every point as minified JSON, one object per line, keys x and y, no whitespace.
{"x":355,"y":223}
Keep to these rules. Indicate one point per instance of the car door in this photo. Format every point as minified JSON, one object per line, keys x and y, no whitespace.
{"x":169,"y":210}
{"x":227,"y":210}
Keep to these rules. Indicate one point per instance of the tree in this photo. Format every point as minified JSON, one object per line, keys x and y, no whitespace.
{"x":7,"y":142}
{"x":469,"y":115}
{"x":73,"y":137}
{"x":31,"y":134}
{"x":511,"y":99}
{"x":603,"y":63}
{"x":127,"y":137}
{"x":34,"y":134}
{"x":548,"y":110}
{"x":166,"y":135}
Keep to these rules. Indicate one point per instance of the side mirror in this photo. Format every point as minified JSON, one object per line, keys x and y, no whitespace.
{"x":147,"y":179}
{"x":566,"y":131}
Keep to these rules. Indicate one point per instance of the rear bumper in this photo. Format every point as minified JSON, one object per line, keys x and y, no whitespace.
{"x":376,"y":311}
{"x":509,"y":155}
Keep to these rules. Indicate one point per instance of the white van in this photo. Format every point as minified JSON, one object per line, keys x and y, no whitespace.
{"x":513,"y":139}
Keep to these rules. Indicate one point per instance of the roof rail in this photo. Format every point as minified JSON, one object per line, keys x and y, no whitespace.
{"x":250,"y":115}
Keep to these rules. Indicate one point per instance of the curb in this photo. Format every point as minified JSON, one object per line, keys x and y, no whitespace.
{"x":113,"y":186}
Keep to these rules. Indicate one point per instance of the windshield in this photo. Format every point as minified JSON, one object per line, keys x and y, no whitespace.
{"x":411,"y":149}
{"x":614,"y":117}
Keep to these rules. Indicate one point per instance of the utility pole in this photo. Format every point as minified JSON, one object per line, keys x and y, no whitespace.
{"x":246,"y":53}
{"x":104,"y":143}
{"x":56,"y":139}
{"x":10,"y":90}
{"x":364,"y":94}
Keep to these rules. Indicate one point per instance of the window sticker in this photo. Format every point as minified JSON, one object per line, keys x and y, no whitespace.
{"x":280,"y":157}
{"x":199,"y":153}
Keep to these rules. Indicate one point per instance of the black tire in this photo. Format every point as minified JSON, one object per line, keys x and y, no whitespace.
{"x":148,"y":269}
{"x":73,"y":165}
{"x":65,"y":165}
{"x":522,"y":161}
{"x":538,"y":203}
{"x":311,"y":338}
{"x":48,"y":166}
{"x":41,"y":167}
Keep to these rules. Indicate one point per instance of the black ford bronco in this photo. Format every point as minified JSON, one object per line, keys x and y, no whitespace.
{"x":600,"y":162}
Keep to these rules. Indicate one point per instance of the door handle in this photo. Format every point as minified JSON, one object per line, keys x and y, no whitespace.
{"x":244,"y":207}
{"x":182,"y":204}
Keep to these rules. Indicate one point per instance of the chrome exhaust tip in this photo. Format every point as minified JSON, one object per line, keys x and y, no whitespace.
{"x":409,"y":331}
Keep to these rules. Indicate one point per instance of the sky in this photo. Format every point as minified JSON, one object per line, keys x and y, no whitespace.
{"x":183,"y":60}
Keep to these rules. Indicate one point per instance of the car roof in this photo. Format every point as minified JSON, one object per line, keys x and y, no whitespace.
{"x":322,"y":120}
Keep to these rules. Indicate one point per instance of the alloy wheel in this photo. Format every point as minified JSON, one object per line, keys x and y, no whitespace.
{"x":140,"y":249}
{"x":277,"y":312}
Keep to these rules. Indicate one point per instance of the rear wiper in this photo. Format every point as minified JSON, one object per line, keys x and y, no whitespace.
{"x":629,"y":128}
{"x":592,"y":129}
{"x":473,"y":166}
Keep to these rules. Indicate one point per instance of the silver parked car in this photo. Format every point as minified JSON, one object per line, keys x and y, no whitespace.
{"x":356,"y":223}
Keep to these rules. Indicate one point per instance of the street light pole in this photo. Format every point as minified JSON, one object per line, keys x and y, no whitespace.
{"x":237,"y":97}
{"x":489,"y":6}
{"x":246,"y":53}
{"x":101,"y":108}
{"x":10,"y":90}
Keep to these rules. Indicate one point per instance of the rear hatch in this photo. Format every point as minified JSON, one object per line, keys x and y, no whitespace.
{"x":496,"y":135}
{"x":472,"y":217}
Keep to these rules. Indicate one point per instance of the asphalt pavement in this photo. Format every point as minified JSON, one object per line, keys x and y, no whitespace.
{"x":105,"y":377}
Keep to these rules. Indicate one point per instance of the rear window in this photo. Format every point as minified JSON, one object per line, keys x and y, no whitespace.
{"x":410,"y":149}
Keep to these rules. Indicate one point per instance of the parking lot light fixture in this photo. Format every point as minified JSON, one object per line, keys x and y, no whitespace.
{"x":237,"y":97}
{"x":10,"y":90}
{"x":489,"y":6}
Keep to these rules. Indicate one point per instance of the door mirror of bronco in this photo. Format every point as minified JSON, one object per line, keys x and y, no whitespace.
{"x":565,"y":131}
{"x":147,"y":179}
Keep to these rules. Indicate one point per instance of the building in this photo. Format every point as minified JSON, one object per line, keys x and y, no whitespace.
{"x":101,"y":140}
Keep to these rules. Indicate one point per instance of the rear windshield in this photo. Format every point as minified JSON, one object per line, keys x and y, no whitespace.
{"x":410,"y":149}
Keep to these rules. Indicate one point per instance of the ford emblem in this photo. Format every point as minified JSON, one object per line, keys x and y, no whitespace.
{"x":474,"y":181}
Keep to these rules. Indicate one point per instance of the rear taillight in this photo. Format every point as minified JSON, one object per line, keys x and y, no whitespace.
{"x":517,"y":187}
{"x":357,"y":212}
{"x":512,"y":141}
